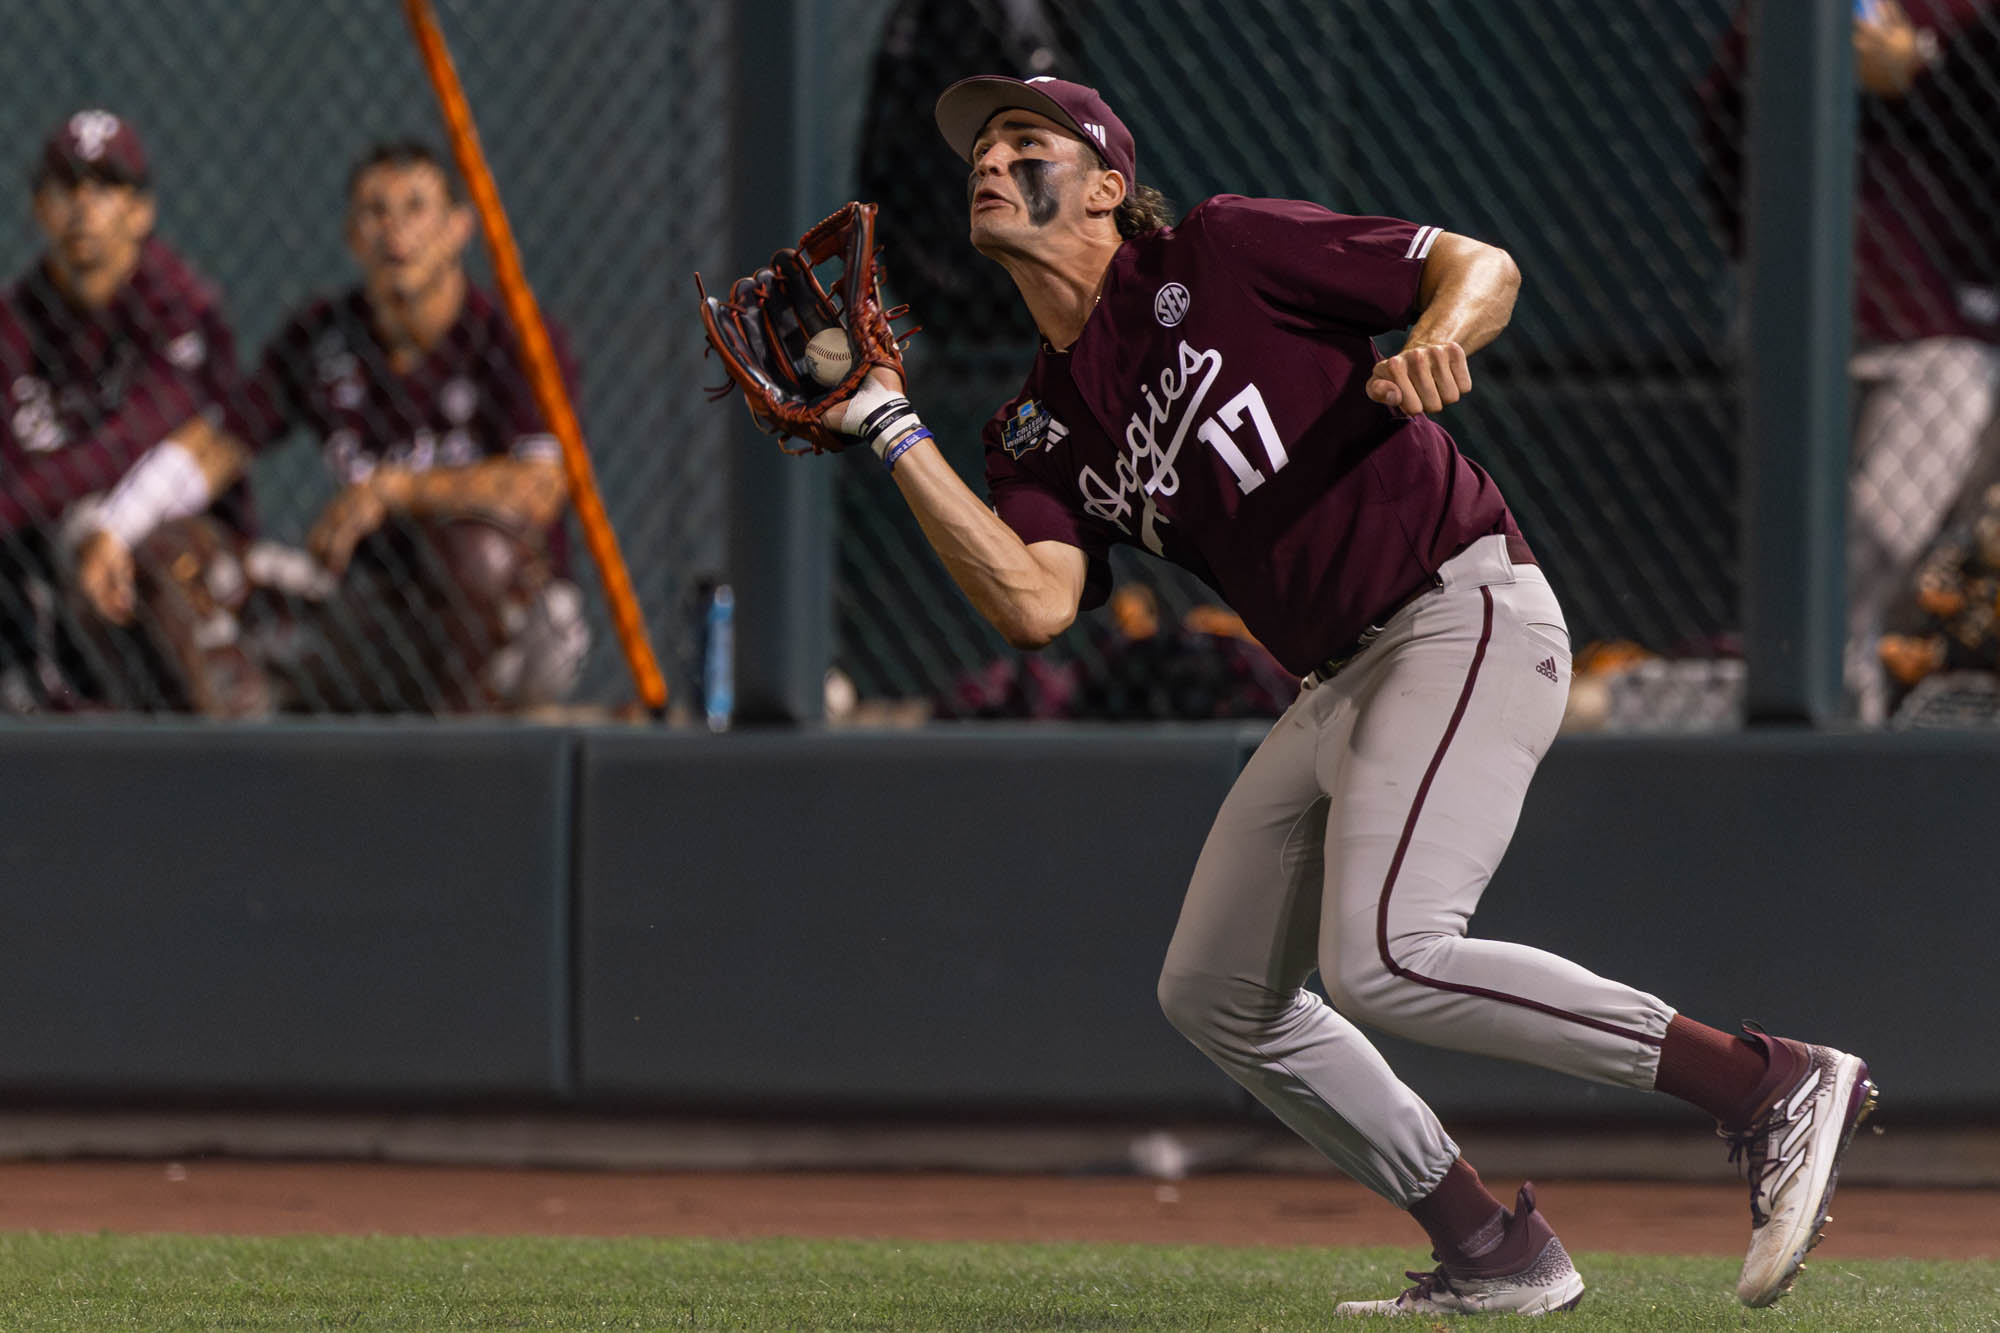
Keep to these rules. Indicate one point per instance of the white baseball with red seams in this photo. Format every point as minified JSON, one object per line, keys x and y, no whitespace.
{"x":828,"y":357}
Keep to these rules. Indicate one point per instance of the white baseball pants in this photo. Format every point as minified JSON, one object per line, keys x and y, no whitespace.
{"x":1357,"y":842}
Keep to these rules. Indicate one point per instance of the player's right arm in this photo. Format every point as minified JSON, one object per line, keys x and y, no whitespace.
{"x":179,"y":477}
{"x":1029,"y":592}
{"x":184,"y":473}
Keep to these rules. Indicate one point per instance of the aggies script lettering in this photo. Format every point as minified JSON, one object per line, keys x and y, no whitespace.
{"x":1148,"y":467}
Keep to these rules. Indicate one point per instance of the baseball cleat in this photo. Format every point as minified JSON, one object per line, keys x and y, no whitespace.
{"x":1791,"y":1153}
{"x":1546,"y":1282}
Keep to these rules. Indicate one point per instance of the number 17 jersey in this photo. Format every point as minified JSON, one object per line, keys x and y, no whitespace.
{"x":1214,"y":411}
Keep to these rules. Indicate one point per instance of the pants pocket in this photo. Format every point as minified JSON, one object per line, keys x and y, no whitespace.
{"x":1554,"y":637}
{"x":1539,"y":685}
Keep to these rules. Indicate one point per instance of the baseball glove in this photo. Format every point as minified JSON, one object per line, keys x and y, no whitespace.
{"x":760,"y":331}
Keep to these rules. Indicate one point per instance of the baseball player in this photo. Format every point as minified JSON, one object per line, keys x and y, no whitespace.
{"x":413,"y":386}
{"x":446,"y":532}
{"x":1209,"y":391}
{"x":115,"y":359}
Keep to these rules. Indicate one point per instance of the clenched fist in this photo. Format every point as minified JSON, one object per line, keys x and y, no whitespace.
{"x":1421,"y":378}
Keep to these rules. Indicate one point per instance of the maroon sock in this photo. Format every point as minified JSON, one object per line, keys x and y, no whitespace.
{"x":1725,"y":1075}
{"x":1461,"y":1218}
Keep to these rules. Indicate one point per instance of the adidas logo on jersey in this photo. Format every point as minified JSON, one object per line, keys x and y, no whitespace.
{"x":1547,"y":667}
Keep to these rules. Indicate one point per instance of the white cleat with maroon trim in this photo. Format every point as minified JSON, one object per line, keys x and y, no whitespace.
{"x":1547,"y":1281}
{"x":1792,"y":1155}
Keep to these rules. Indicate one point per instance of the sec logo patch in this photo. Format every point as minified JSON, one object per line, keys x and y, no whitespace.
{"x":1170,"y":307}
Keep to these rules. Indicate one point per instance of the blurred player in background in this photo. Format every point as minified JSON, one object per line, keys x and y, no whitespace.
{"x":445,"y":534}
{"x":1210,"y":392}
{"x":117,"y":362}
{"x":1926,"y":288}
{"x":1141,"y":667}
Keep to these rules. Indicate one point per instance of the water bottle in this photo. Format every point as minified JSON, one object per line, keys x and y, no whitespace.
{"x":718,"y":656}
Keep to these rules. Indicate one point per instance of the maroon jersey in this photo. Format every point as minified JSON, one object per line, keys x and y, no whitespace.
{"x":89,"y":392}
{"x":467,"y":400}
{"x":1214,"y":411}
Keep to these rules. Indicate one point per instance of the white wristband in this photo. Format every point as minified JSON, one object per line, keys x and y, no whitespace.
{"x":164,"y":485}
{"x":880,"y":416}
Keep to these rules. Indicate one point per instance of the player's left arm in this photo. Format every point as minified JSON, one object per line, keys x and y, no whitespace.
{"x":524,"y":493}
{"x":524,"y":489}
{"x":1465,"y":297}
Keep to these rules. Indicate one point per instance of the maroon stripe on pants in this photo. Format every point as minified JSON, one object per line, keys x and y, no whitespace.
{"x":1403,"y":846}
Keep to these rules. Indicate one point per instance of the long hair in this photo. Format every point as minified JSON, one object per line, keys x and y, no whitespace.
{"x":1144,"y":209}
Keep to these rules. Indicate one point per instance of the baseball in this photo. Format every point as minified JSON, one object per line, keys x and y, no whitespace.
{"x":828,"y":357}
{"x":1161,"y":1155}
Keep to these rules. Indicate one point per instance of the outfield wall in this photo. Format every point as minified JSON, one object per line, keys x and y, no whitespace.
{"x":959,"y":917}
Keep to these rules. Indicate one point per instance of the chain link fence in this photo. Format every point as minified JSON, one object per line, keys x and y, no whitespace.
{"x":250,"y":118}
{"x":1924,"y":519}
{"x":1601,"y":145}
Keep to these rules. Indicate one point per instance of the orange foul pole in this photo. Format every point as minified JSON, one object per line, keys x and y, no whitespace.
{"x":544,"y":375}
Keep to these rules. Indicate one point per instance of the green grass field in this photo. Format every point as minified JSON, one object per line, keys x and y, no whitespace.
{"x":113,"y":1282}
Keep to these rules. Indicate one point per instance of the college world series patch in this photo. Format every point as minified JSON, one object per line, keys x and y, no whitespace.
{"x":1027,"y":429}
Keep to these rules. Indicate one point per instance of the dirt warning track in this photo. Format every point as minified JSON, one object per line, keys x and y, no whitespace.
{"x":270,"y":1198}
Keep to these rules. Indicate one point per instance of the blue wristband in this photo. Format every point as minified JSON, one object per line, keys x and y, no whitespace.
{"x":902,"y":446}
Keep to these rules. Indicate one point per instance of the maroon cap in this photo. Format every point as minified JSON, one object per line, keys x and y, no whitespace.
{"x":97,"y":144}
{"x":966,"y":106}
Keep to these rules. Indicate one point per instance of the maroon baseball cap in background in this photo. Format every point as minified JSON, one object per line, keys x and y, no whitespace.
{"x":965,"y":107}
{"x":93,"y":144}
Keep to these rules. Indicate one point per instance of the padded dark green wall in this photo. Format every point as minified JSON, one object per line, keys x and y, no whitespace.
{"x":950,"y":918}
{"x":313,"y":913}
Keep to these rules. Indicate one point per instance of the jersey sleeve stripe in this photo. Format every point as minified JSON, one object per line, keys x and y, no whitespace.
{"x":1420,"y":244}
